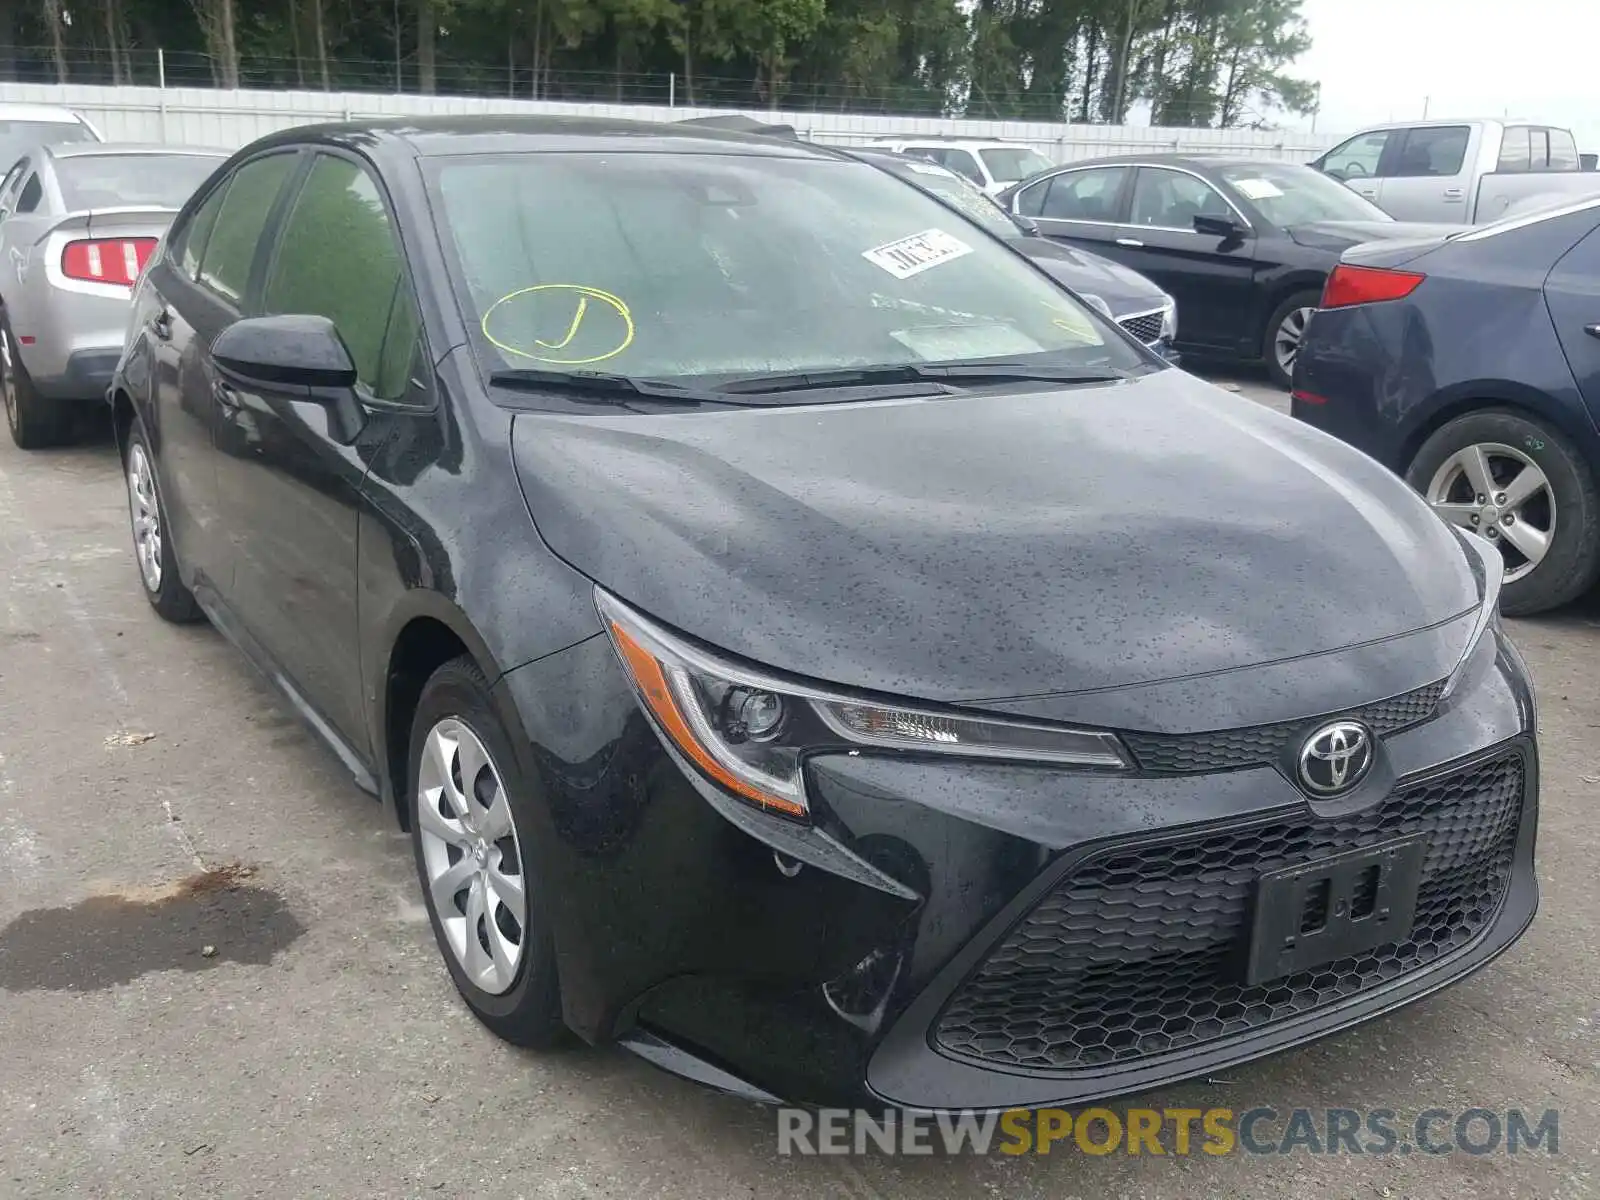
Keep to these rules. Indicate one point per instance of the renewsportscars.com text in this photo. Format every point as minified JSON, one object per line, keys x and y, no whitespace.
{"x":1172,"y":1131}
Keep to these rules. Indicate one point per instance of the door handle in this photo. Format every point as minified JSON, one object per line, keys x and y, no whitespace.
{"x":1129,"y":242}
{"x":1453,"y":193}
{"x":1592,"y":330}
{"x":161,"y":325}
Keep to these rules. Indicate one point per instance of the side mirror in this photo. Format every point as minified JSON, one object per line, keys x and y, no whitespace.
{"x":297,"y":351}
{"x":294,"y":353}
{"x":1222,"y":227}
{"x":1026,"y":224}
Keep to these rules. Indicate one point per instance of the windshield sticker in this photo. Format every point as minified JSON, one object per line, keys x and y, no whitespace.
{"x":583,"y":324}
{"x":1257,"y":189}
{"x":915,"y":254}
{"x":922,"y":168}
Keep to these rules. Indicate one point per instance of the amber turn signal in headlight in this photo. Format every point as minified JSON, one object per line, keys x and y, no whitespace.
{"x":748,"y":731}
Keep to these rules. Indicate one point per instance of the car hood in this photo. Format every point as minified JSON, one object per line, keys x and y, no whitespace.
{"x":1341,"y":235}
{"x":1124,"y":291}
{"x":991,"y":545}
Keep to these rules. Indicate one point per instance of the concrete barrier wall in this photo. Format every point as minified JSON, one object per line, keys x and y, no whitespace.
{"x":204,"y":116}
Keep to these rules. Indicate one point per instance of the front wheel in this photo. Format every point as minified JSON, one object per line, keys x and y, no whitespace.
{"x":469,"y":836}
{"x":1522,"y":485}
{"x":1286,"y":329}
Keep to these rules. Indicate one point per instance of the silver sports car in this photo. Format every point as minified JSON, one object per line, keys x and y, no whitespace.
{"x":77,"y":223}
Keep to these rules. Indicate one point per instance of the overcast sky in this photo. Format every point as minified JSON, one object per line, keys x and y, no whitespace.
{"x":1378,"y":60}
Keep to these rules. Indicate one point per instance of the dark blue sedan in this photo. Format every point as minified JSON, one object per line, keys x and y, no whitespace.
{"x":1471,"y":365}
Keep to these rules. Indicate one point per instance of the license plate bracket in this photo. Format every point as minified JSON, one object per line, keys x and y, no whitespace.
{"x":1334,"y":907}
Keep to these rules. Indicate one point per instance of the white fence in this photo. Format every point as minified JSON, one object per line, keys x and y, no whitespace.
{"x":203,"y":116}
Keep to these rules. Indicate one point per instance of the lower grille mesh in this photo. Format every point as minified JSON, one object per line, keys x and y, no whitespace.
{"x":1146,"y":327}
{"x":1140,"y":952}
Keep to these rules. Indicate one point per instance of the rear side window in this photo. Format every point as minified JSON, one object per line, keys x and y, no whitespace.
{"x":191,"y":240}
{"x":32,"y":193}
{"x":1084,"y":195}
{"x":112,"y":180}
{"x":231,"y":248}
{"x":1563,"y":151}
{"x":1432,"y":151}
{"x":1513,"y":149}
{"x":338,"y":257}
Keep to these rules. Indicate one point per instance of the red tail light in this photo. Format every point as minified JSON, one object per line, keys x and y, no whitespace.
{"x":1367,"y":285}
{"x":107,"y":260}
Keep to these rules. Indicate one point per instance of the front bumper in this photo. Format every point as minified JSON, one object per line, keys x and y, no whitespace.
{"x":962,"y":935}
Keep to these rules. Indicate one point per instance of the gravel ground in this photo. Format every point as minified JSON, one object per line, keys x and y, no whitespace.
{"x":216,"y":978}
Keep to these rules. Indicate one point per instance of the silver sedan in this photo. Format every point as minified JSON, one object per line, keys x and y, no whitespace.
{"x":77,"y":223}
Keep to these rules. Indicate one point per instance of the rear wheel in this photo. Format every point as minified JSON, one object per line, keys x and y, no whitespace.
{"x":152,"y":543}
{"x":34,"y":421}
{"x":469,"y":838}
{"x":1286,"y":329}
{"x":1522,"y":485}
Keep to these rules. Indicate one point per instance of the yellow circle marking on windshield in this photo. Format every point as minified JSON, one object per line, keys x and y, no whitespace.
{"x":580,"y":314}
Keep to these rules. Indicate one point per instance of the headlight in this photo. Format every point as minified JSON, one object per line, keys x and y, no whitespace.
{"x":1490,"y":570}
{"x":749,"y":731}
{"x":1169,"y":318}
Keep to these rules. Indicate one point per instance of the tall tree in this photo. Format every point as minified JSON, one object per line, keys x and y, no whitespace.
{"x":427,"y":30}
{"x":219,"y":26}
{"x":53,"y":17}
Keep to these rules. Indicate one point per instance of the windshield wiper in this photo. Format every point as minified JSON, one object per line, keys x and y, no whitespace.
{"x":599,"y":387}
{"x":957,"y":372}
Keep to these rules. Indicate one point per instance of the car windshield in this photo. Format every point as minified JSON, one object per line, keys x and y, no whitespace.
{"x":1011,"y":163}
{"x":18,"y":137}
{"x":674,"y":266}
{"x":972,"y":201}
{"x":121,"y":180}
{"x":1289,"y":194}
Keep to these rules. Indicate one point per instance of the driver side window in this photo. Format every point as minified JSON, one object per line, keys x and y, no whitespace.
{"x":1172,"y":200}
{"x":1358,"y":157}
{"x":338,"y":256}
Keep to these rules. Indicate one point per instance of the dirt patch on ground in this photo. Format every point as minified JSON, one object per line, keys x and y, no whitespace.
{"x":191,"y":924}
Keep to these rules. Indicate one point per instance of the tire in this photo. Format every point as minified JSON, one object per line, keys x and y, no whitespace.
{"x":1287,"y":319}
{"x":455,"y":719}
{"x":34,"y":421}
{"x":153,"y":552}
{"x":1565,"y":509}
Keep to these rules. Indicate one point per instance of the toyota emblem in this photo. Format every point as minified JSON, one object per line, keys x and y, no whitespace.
{"x":1335,"y":758}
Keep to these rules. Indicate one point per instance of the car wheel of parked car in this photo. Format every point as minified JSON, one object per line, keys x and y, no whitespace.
{"x":468,"y":834}
{"x":1285,"y":330}
{"x":1522,"y":485}
{"x":152,"y":545}
{"x":34,"y":422}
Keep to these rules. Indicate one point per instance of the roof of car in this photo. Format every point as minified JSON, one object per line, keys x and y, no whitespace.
{"x":1192,"y":162}
{"x":948,"y":139}
{"x":1443,"y":122}
{"x":97,"y":149}
{"x":42,"y":113}
{"x":430,"y":137}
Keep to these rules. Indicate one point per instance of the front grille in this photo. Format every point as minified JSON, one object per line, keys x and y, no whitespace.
{"x":1146,"y":326}
{"x":1231,"y":749}
{"x":1141,"y":951}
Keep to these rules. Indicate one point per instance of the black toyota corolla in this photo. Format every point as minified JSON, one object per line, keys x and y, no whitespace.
{"x":805,"y":644}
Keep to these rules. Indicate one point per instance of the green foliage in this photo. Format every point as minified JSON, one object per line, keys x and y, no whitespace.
{"x":1188,"y":62}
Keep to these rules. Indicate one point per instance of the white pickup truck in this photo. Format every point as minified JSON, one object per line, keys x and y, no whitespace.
{"x":1466,"y":172}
